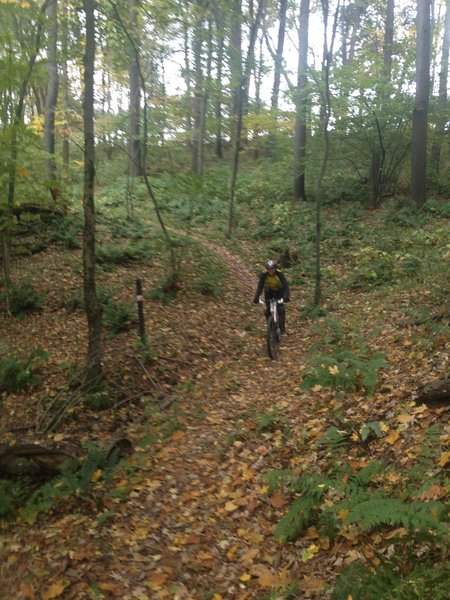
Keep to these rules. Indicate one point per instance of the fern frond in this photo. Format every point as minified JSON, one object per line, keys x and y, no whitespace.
{"x":424,"y":517}
{"x":298,"y":518}
{"x":276,"y":479}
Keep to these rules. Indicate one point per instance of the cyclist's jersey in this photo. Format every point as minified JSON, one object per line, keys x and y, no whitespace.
{"x":273,"y":283}
{"x":276,"y":284}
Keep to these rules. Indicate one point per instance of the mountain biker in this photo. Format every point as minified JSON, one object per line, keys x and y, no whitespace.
{"x":274,"y":285}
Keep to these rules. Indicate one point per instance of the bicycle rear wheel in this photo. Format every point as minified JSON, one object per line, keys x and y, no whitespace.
{"x":273,"y":339}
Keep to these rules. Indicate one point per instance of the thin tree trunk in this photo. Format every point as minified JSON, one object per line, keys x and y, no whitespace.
{"x":218,"y":107}
{"x":326,"y":111}
{"x":199,"y":91}
{"x":301,"y":105}
{"x":65,"y":83}
{"x":135,"y":108}
{"x":376,"y":172}
{"x":421,"y":104}
{"x":442,"y":109}
{"x":52,"y":97}
{"x":93,"y":373}
{"x":279,"y":55}
{"x":242,"y":93}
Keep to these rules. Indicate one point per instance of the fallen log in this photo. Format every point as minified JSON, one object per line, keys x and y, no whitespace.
{"x":38,"y":461}
{"x":435,"y":393}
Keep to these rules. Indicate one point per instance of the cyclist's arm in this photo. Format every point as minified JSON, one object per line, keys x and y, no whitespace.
{"x":286,"y":290}
{"x":260,"y":286}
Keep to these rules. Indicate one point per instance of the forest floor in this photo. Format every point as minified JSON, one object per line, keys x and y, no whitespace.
{"x":190,"y":515}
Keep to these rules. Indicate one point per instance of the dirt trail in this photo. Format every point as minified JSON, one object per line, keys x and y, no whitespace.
{"x":195,"y":520}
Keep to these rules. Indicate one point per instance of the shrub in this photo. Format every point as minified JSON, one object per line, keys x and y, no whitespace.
{"x":17,"y":374}
{"x":117,"y":317}
{"x":343,"y":370}
{"x":23,"y":299}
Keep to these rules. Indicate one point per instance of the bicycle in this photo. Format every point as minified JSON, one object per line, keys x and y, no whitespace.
{"x":273,"y":333}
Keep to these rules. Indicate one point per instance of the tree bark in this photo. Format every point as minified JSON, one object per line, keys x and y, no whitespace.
{"x":52,"y":97}
{"x":376,"y":172}
{"x":135,"y":106}
{"x":421,"y":104}
{"x":301,"y":110}
{"x":279,"y":55}
{"x":199,"y":90}
{"x":65,"y":84}
{"x":93,"y":369}
{"x":442,"y":109}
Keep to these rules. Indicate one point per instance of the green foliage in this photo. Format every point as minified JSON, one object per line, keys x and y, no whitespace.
{"x":122,"y":254}
{"x":268,"y":422}
{"x":167,"y":288}
{"x":117,"y":317}
{"x":23,"y":298}
{"x":99,"y":400}
{"x":343,"y":370}
{"x":388,"y":581}
{"x":74,"y":483}
{"x":67,"y":229}
{"x":341,"y":359}
{"x":373,"y":427}
{"x":18,"y":374}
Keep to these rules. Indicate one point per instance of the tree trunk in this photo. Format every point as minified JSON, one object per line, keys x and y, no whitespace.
{"x":65,"y":84}
{"x":93,"y":372}
{"x":421,"y":103}
{"x":242,"y":93}
{"x":135,"y":106}
{"x":199,"y":91}
{"x":442,"y":109}
{"x":279,"y":55}
{"x":218,"y":88}
{"x":376,"y":172}
{"x":52,"y":97}
{"x":301,"y":104}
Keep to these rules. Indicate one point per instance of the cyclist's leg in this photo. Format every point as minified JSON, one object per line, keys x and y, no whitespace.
{"x":267,"y":296}
{"x":282,"y":316}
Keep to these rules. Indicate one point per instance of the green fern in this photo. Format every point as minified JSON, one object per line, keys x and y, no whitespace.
{"x":377,"y":511}
{"x":367,"y":582}
{"x":276,"y":479}
{"x":300,"y":516}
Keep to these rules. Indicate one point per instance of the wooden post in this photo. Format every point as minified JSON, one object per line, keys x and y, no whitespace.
{"x":140,"y":307}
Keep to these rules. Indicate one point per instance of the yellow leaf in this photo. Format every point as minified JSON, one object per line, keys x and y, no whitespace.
{"x":316,"y":388}
{"x":230,"y":506}
{"x":157,"y":579}
{"x":23,"y":171}
{"x":393,"y":436}
{"x":249,"y":555}
{"x":405,"y":418}
{"x":384,"y":427}
{"x":445,"y":458}
{"x":232,"y":551}
{"x":309,"y":553}
{"x":58,"y":437}
{"x":55,"y":590}
{"x":343,"y":514}
{"x":217,"y":597}
{"x":245,"y":577}
{"x":96,"y":476}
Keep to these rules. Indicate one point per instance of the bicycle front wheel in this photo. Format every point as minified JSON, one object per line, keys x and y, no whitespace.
{"x":273,"y":340}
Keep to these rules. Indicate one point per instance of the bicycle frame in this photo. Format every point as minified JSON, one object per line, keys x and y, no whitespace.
{"x":273,"y":335}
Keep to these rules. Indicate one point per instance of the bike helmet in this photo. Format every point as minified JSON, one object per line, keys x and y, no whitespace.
{"x":271,"y":264}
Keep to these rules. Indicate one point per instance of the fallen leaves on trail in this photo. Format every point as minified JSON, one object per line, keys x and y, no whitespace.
{"x":192,"y":516}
